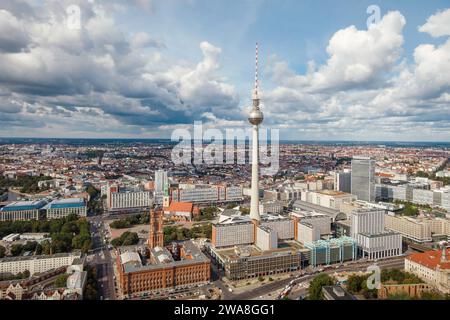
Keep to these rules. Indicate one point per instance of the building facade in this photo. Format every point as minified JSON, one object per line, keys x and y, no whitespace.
{"x":432,"y":268}
{"x":62,"y":208}
{"x":37,"y":264}
{"x":22,"y":211}
{"x":124,"y":200}
{"x":233,"y":233}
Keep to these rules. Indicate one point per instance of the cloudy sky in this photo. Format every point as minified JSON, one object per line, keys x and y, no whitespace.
{"x":143,"y":68}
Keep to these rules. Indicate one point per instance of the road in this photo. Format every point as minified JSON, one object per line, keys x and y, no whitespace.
{"x":274,"y":286}
{"x":102,"y":260}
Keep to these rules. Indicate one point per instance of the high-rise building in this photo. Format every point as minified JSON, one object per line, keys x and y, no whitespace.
{"x":343,"y":181}
{"x":363,"y":178}
{"x":161,"y":181}
{"x":374,"y":241}
{"x":255,"y":118}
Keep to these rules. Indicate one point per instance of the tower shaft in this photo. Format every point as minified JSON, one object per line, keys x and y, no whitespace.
{"x":255,"y":117}
{"x":254,"y":204}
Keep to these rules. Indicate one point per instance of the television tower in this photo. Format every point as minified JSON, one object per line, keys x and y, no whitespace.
{"x":255,"y":118}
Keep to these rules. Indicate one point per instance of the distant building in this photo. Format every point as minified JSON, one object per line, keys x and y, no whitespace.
{"x":181,"y":211}
{"x":62,"y":208}
{"x":410,"y":228}
{"x":117,"y":200}
{"x":271,"y":206}
{"x":161,"y":181}
{"x":22,"y":210}
{"x":206,"y":194}
{"x":328,"y":198}
{"x":363,"y":178}
{"x":37,"y":264}
{"x":343,"y":181}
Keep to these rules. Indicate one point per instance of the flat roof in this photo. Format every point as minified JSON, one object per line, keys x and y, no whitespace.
{"x":66,"y":203}
{"x":76,"y":253}
{"x":24,"y":205}
{"x":249,"y":251}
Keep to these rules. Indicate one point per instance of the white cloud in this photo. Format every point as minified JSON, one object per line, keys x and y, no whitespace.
{"x":438,"y":24}
{"x":364,"y":90}
{"x":101,"y":66}
{"x":356,"y":58}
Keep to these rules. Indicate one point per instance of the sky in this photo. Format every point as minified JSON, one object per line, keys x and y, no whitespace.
{"x":144,"y":68}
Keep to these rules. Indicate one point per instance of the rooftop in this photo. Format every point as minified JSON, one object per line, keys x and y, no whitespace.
{"x":285,"y":247}
{"x":24,"y":205}
{"x":180,"y":207}
{"x":336,"y":293}
{"x":66,"y":203}
{"x":75,"y":253}
{"x":431,"y":259}
{"x":189,"y":247}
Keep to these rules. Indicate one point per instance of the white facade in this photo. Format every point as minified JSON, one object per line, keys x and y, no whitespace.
{"x":368,"y":229}
{"x":329,"y":198}
{"x":368,"y":221}
{"x":266,"y":238}
{"x":284,"y":227}
{"x":233,"y":234}
{"x":421,"y":196}
{"x":19,"y":215}
{"x":307,"y":233}
{"x":135,"y":199}
{"x":321,"y":222}
{"x":381,"y":245}
{"x":62,"y":208}
{"x":410,"y":228}
{"x":207,"y":193}
{"x":37,"y":264}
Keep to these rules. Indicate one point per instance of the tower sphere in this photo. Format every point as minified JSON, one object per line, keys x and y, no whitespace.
{"x":255,"y":116}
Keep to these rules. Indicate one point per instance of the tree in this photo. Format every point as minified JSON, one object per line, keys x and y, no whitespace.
{"x":16,"y":250}
{"x":2,"y":251}
{"x":244,"y":210}
{"x":61,"y":281}
{"x":355,"y":283}
{"x":126,"y":239}
{"x":91,"y":289}
{"x":315,"y":287}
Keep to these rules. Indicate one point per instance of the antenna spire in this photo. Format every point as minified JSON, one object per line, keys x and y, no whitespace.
{"x":255,"y":92}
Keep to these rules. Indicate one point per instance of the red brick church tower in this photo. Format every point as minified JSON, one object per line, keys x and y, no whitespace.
{"x":156,"y":235}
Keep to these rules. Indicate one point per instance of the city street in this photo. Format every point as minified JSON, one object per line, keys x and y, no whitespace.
{"x":397,"y":263}
{"x":102,"y":260}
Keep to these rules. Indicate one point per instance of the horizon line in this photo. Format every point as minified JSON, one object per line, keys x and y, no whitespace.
{"x":169,"y":139}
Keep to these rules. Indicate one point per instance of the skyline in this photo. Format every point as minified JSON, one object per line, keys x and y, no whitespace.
{"x":118,"y":77}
